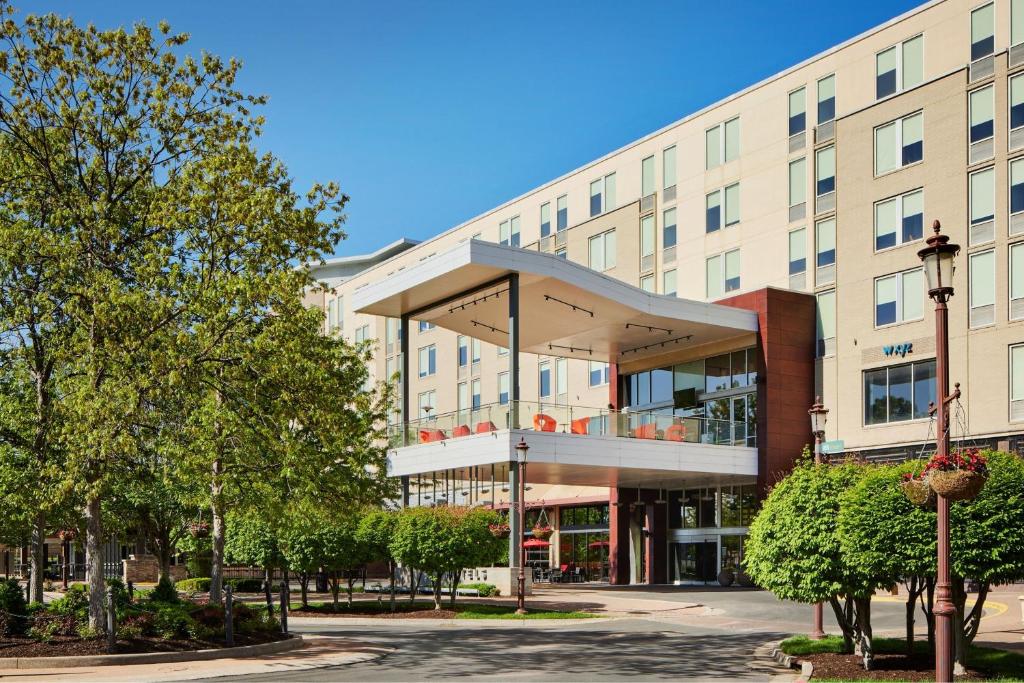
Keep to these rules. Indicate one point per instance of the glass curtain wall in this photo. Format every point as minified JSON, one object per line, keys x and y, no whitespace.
{"x":583,"y":543}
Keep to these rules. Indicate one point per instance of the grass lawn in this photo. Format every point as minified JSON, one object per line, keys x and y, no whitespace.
{"x":463,"y":610}
{"x":1000,"y":664}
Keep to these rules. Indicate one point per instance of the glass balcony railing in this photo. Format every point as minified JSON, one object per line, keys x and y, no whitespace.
{"x":578,"y":420}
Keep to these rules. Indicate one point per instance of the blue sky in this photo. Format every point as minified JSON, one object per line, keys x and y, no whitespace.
{"x":428,"y":113}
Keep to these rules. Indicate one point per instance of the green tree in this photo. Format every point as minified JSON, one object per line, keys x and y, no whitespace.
{"x":376,"y":531}
{"x":794,"y":548}
{"x":343,"y":553}
{"x":252,"y":541}
{"x":476,"y":545}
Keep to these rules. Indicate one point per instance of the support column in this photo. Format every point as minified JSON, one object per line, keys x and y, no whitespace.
{"x":403,"y":345}
{"x":513,"y":513}
{"x":513,"y":348}
{"x":405,"y":491}
{"x":618,"y":536}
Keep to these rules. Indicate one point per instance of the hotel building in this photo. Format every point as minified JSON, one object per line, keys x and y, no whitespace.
{"x":655,"y":323}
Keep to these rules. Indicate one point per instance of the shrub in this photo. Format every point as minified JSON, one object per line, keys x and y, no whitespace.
{"x":249,"y":585}
{"x":209,"y":615}
{"x":197,"y":631}
{"x":170,"y":621}
{"x":86,"y":632}
{"x":199,"y":584}
{"x":142,"y":622}
{"x":164,"y":591}
{"x":242,"y":612}
{"x":50,"y":624}
{"x":129,"y":631}
{"x":120,"y":591}
{"x":12,"y":608}
{"x":486,"y":590}
{"x":75,"y":602}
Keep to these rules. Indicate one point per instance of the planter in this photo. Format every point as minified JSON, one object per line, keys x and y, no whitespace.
{"x":67,"y":534}
{"x":542,"y":532}
{"x":499,"y":530}
{"x":743,"y":579}
{"x":726,"y":577}
{"x":918,"y":492}
{"x":956,"y":484}
{"x":199,"y":530}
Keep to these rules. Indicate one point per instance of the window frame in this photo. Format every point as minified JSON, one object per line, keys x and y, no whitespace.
{"x":504,"y":376}
{"x":817,"y":166}
{"x":1009,"y":186}
{"x":542,"y":367}
{"x":513,"y":225}
{"x":970,"y":109}
{"x":817,"y":244}
{"x":644,"y":176}
{"x":971,"y":221}
{"x":989,"y":253}
{"x":900,"y":75}
{"x":1009,"y":389}
{"x":606,"y":198}
{"x":544,"y":232}
{"x":899,"y":277}
{"x":899,"y":125}
{"x":888,"y":392}
{"x":604,"y":373}
{"x":803,"y":189}
{"x":665,"y":225}
{"x":431,"y":370}
{"x":603,"y":237}
{"x":899,"y":199}
{"x":1011,"y":79}
{"x":561,"y":219}
{"x":1011,"y":249}
{"x":791,"y":116}
{"x":992,"y":34}
{"x":803,"y":241}
{"x":817,"y":92}
{"x":664,"y":282}
{"x":722,"y":143}
{"x":665,"y":166}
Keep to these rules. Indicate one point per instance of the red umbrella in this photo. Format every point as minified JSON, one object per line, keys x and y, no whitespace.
{"x":598,"y":544}
{"x":535,"y":543}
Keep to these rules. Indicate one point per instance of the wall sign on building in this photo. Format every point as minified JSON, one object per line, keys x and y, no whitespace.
{"x":900,"y":350}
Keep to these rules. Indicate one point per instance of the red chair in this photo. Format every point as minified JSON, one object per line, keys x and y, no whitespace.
{"x":647,"y":431}
{"x":461,"y":430}
{"x":676,"y":432}
{"x":484,"y":427}
{"x":544,"y":423}
{"x":580,"y":425}
{"x":430,"y":435}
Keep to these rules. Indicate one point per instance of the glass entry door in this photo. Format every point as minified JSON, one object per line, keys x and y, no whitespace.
{"x":695,"y":561}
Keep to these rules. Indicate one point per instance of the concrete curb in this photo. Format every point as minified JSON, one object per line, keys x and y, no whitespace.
{"x":334,"y":622}
{"x":788,"y":661}
{"x":278,"y":646}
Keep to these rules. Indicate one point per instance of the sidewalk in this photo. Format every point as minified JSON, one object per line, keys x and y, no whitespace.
{"x":316,"y":653}
{"x":1003,"y":628}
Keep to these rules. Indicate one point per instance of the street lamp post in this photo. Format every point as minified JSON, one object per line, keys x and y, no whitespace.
{"x":521,"y":449}
{"x":819,"y":416}
{"x":938,"y":269}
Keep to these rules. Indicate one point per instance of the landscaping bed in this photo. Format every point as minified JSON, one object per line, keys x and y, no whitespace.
{"x":891,"y":663}
{"x":425,"y":610}
{"x":74,"y":646}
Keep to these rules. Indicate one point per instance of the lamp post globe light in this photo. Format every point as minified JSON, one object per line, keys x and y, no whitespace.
{"x":938,"y":258}
{"x":819,"y":416}
{"x":521,"y":450}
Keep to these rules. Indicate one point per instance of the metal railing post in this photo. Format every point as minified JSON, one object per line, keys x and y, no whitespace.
{"x":229,"y":617}
{"x":111,"y":621}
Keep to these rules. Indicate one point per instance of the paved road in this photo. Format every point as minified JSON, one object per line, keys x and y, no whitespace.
{"x":715,"y":640}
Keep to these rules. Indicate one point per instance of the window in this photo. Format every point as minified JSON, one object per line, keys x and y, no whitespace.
{"x":899,"y":143}
{"x":475,"y":347}
{"x":797,"y":182}
{"x":825,"y":170}
{"x":561,"y":213}
{"x":647,"y":177}
{"x":899,"y":67}
{"x":598,"y":373}
{"x":425,"y":326}
{"x":427,"y":360}
{"x":602,"y":251}
{"x":508,"y":232}
{"x":983,"y":288}
{"x":503,"y":388}
{"x":1016,"y":281}
{"x":561,"y":377}
{"x":722,"y":143}
{"x":798,"y":251}
{"x":545,"y":219}
{"x":668,"y":282}
{"x":647,"y":283}
{"x":899,"y":392}
{"x":825,"y":246}
{"x":462,"y":400}
{"x":899,"y":297}
{"x":647,"y":240}
{"x":899,"y":220}
{"x":983,"y":203}
{"x":463,"y":346}
{"x":390,"y":330}
{"x":362,"y":334}
{"x":1016,"y":186}
{"x":982,"y":114}
{"x":983,"y":42}
{"x":668,"y":167}
{"x":1017,"y":99}
{"x":825,"y":323}
{"x":545,"y":379}
{"x":668,"y":228}
{"x":723,"y":273}
{"x":797,"y":111}
{"x":732,"y":204}
{"x":502,"y":351}
{"x":826,"y":99}
{"x":602,"y":194}
{"x":475,"y":393}
{"x":1016,"y":382}
{"x":713,"y":211}
{"x":561,"y":253}
{"x":1016,"y":22}
{"x":336,"y":314}
{"x":426,"y":402}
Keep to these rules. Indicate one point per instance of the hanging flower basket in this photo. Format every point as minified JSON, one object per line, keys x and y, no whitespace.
{"x":543,"y":532}
{"x":67,"y":534}
{"x":199,"y":529}
{"x":958,"y":476}
{"x":500,"y":530}
{"x":917,"y":490}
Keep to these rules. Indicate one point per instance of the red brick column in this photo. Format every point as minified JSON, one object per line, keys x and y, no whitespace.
{"x":618,"y":535}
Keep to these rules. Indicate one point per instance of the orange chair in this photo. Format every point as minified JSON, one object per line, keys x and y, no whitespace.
{"x":647,"y":431}
{"x":484,"y":427}
{"x":580,"y":426}
{"x":461,"y":430}
{"x":544,"y":423}
{"x":430,"y":435}
{"x":676,"y":432}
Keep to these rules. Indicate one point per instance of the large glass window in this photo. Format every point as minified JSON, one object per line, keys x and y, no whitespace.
{"x":427,"y":360}
{"x":1017,"y":281}
{"x":899,"y":143}
{"x":899,"y":67}
{"x":983,"y":199}
{"x":1017,"y":99}
{"x":463,"y":346}
{"x":825,"y":243}
{"x":899,"y":220}
{"x":825,"y":322}
{"x":797,"y":111}
{"x":647,"y":241}
{"x":668,"y":282}
{"x":722,"y":143}
{"x":598,"y":373}
{"x":899,"y":297}
{"x":1016,"y":22}
{"x":503,"y":391}
{"x":983,"y":288}
{"x":826,"y":99}
{"x":983,"y":42}
{"x":561,"y":213}
{"x":1016,"y":382}
{"x":602,"y":194}
{"x":668,"y":228}
{"x":602,"y":251}
{"x":545,"y":379}
{"x":647,"y":176}
{"x":899,"y":392}
{"x":545,"y":219}
{"x":668,"y":167}
{"x":508,"y":232}
{"x":713,"y":211}
{"x":798,"y":251}
{"x":825,"y":170}
{"x":732,"y":204}
{"x":797,"y":181}
{"x":982,"y":114}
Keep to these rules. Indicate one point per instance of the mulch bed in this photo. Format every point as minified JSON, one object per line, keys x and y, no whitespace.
{"x":887,"y":667}
{"x":67,"y":646}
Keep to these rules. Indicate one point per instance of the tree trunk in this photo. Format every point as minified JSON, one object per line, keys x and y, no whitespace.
{"x":94,"y":563}
{"x":304,"y":587}
{"x":842,"y":613}
{"x":455,"y":587}
{"x":335,"y":589}
{"x":217,"y":534}
{"x":864,"y":626}
{"x":437,"y":590}
{"x":927,"y":605}
{"x":959,"y":641}
{"x":162,"y":546}
{"x":37,"y":558}
{"x":267,"y":577}
{"x":391,"y":573}
{"x":350,"y":578}
{"x":414,"y":583}
{"x":973,"y":620}
{"x":911,"y":606}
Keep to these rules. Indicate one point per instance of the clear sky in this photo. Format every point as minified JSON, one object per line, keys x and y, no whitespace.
{"x":429,"y":113}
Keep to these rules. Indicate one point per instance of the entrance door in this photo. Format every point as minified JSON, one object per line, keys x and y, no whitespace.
{"x":695,"y":561}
